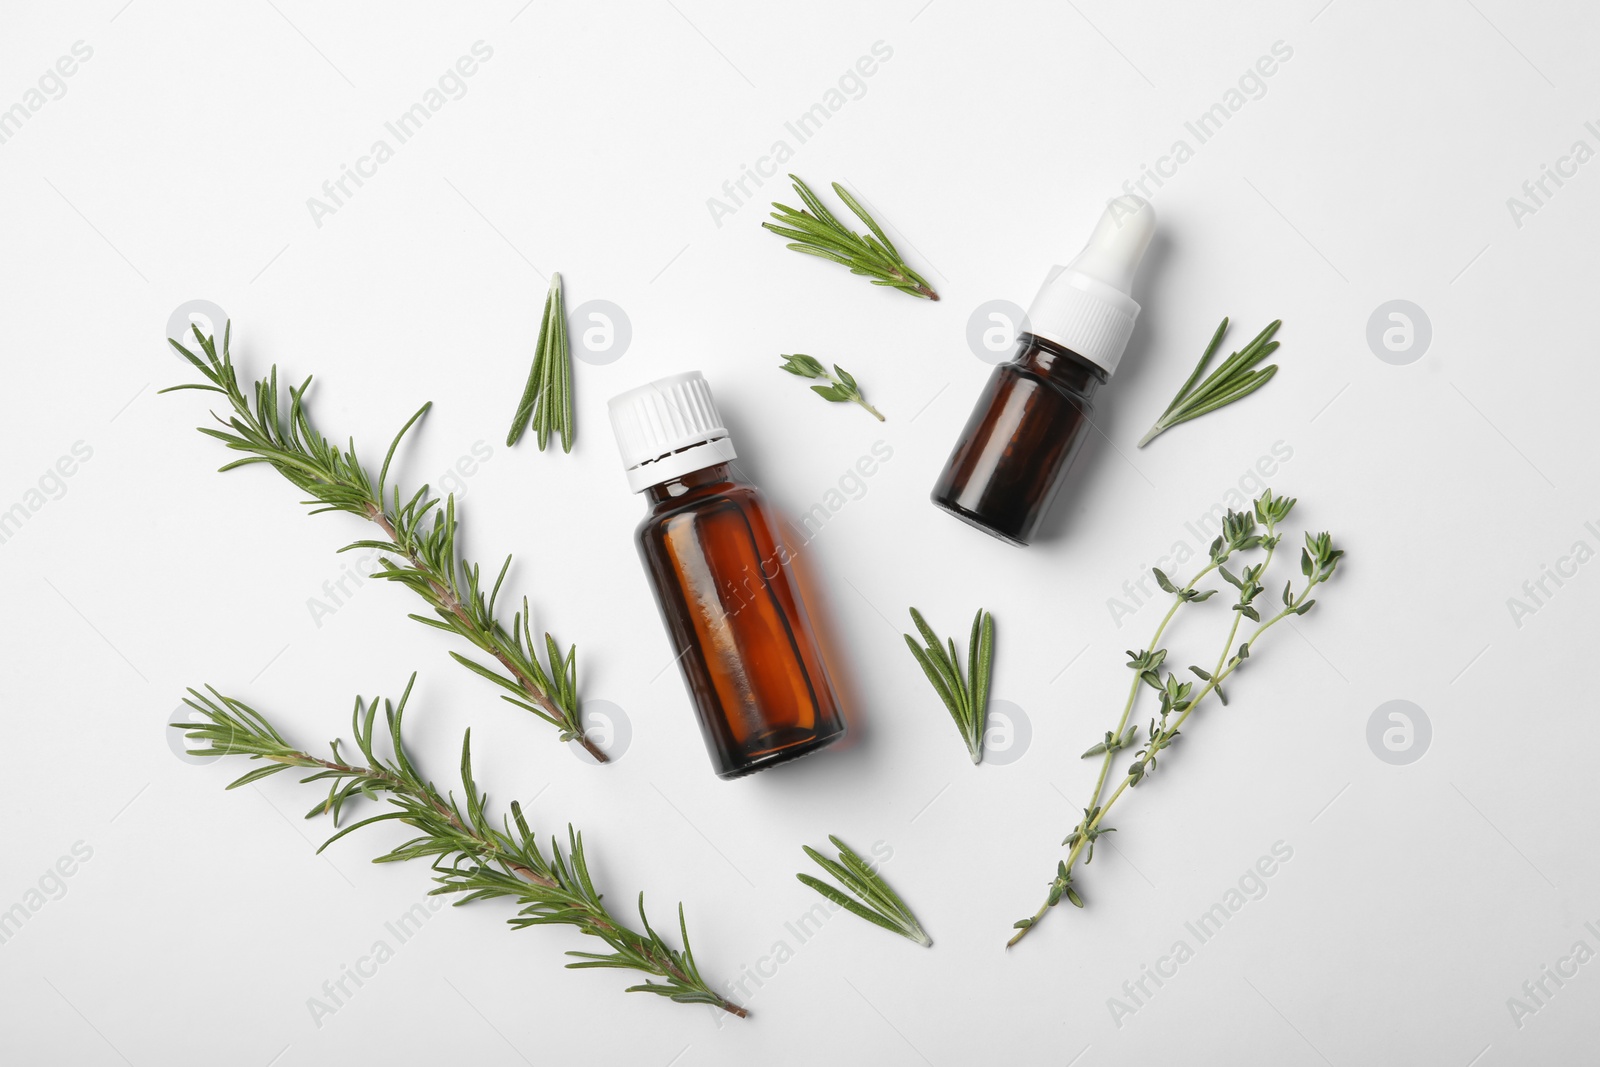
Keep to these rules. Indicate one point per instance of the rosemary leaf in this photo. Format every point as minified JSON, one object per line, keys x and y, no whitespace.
{"x":862,"y":888}
{"x":980,"y":657}
{"x":815,"y":231}
{"x":418,"y":549}
{"x":966,"y":699}
{"x":530,"y":391}
{"x":547,"y":397}
{"x":848,"y":904}
{"x":875,"y":901}
{"x":936,"y":676}
{"x":471,"y":857}
{"x":1235,"y":379}
{"x":850,"y":859}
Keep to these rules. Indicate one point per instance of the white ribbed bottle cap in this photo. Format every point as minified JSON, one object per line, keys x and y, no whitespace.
{"x":667,"y":429}
{"x":1087,"y":305}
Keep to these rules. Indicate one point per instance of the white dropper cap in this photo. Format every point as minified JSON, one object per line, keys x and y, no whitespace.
{"x":1087,"y":306}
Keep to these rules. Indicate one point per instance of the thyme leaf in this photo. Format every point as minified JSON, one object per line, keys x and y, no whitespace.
{"x":1176,"y":700}
{"x":842,"y":385}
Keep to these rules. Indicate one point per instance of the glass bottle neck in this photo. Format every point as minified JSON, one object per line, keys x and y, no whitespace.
{"x":695,"y":483}
{"x":1060,"y":365}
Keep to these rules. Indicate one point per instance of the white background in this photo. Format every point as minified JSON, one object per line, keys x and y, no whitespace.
{"x":1376,"y":165}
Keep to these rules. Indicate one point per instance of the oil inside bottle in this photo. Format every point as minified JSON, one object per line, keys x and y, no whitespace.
{"x":722,"y":578}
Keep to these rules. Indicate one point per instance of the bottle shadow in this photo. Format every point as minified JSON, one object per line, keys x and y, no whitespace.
{"x":820,"y":611}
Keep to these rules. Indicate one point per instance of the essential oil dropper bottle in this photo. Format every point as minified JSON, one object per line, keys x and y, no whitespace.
{"x":1030,"y":420}
{"x":722,"y":579}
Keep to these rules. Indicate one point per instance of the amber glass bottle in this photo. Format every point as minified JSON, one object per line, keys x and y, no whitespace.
{"x":1020,"y":440}
{"x":1029,"y":423}
{"x":722,"y":579}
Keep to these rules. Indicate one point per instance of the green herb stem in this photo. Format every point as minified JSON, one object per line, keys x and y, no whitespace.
{"x":1127,"y":782}
{"x":547,"y":396}
{"x":471,"y":857}
{"x":842,"y":386}
{"x":1133,"y":688}
{"x":1318,"y":563}
{"x":967,"y":699}
{"x":815,"y":231}
{"x":420,"y":546}
{"x":1233,"y":380}
{"x":873,"y":898}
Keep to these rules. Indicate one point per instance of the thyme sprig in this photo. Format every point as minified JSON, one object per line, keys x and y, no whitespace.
{"x":419,"y":543}
{"x":842,"y":386}
{"x":1234,"y":379}
{"x":874,"y":899}
{"x":547,"y":398}
{"x":1177,"y":699}
{"x":815,"y":231}
{"x":472,"y":858}
{"x":966,"y":698}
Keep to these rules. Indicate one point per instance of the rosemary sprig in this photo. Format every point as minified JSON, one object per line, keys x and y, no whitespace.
{"x":419,"y":555}
{"x":547,"y":398}
{"x":843,"y":386}
{"x":471,"y":856}
{"x":1177,"y":700}
{"x":1234,"y":379}
{"x":967,"y":698}
{"x":816,"y":232}
{"x":875,"y":901}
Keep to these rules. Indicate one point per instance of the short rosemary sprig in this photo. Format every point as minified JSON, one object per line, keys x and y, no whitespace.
{"x":547,"y":398}
{"x":1234,"y":379}
{"x":875,"y":901}
{"x":966,"y":698}
{"x":1176,"y":699}
{"x":816,"y":232}
{"x":419,"y":554}
{"x":843,"y":386}
{"x":470,"y":855}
